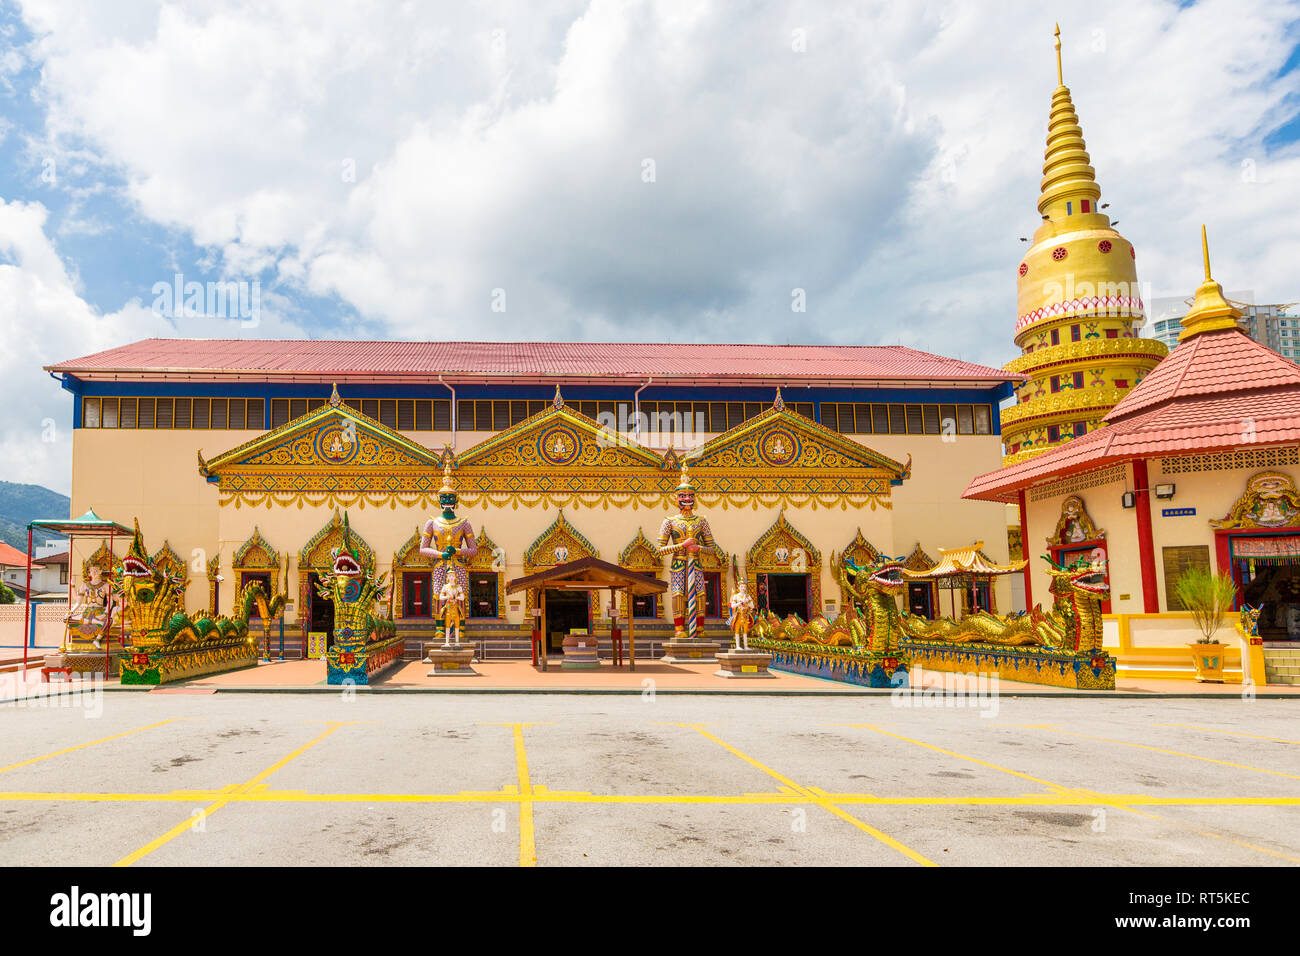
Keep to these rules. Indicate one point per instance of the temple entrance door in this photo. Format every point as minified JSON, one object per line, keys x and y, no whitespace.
{"x":565,"y":610}
{"x":321,"y":612}
{"x":788,"y":594}
{"x":919,"y":601}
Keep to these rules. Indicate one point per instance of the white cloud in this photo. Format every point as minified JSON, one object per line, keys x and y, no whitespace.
{"x":887,"y":169}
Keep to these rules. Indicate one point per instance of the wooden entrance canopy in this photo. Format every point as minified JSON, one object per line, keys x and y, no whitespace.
{"x":588,"y":574}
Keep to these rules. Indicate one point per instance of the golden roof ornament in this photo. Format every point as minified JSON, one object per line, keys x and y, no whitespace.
{"x":778,"y":403}
{"x":1210,"y":311}
{"x":448,"y":483}
{"x":558,"y":400}
{"x":685,"y":484}
{"x":335,"y":400}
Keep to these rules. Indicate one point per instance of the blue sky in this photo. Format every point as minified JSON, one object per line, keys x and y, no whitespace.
{"x":382,"y":173}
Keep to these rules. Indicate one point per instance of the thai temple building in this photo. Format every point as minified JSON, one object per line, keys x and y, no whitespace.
{"x":1079,"y":305}
{"x":1196,"y":467}
{"x":241,"y":458}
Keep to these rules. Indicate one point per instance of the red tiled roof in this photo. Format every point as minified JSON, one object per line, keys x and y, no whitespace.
{"x":59,"y":557}
{"x":13,"y":558}
{"x":1217,"y":391}
{"x":1210,"y":364}
{"x":325,"y":360}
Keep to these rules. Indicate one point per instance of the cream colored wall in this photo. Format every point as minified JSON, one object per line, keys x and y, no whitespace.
{"x":1108,"y":514}
{"x":153,"y":475}
{"x":1211,"y":493}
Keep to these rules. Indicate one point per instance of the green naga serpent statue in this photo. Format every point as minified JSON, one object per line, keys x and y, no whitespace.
{"x":1073,"y":625}
{"x":363,"y":641}
{"x":165,"y":643}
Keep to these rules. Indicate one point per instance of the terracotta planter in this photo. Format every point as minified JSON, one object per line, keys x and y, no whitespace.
{"x":1209,"y":661}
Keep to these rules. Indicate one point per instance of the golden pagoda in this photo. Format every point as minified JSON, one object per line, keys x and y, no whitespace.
{"x":1079,"y":305}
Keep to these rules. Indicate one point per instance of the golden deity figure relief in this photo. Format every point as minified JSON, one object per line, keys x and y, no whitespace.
{"x":681,"y":536}
{"x":1270,"y":501}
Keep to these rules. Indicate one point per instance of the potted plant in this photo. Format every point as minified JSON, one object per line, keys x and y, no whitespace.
{"x":1208,"y":596}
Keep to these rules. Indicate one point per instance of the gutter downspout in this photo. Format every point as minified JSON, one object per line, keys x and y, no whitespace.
{"x":636,"y":406}
{"x":453,"y":410}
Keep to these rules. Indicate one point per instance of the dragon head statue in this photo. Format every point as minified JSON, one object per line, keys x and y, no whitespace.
{"x":885,"y":575}
{"x":1086,"y":578}
{"x":150,"y":594}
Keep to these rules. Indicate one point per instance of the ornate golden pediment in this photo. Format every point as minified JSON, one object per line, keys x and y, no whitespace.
{"x":318,"y":552}
{"x":861,"y":551}
{"x":165,"y":559}
{"x":1075,"y":524}
{"x":641,"y":555}
{"x":559,"y":437}
{"x":334,"y":437}
{"x":782,"y":440}
{"x":558,"y":544}
{"x":255,"y":553}
{"x":1270,"y":501}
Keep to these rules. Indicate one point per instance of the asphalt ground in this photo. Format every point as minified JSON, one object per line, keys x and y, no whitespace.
{"x":354,"y":779}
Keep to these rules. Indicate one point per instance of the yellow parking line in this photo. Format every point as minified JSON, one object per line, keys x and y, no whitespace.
{"x":812,"y":797}
{"x":90,"y":743}
{"x":953,"y":753}
{"x":1173,"y":753}
{"x":527,"y":834}
{"x":1234,"y":733}
{"x":137,"y":855}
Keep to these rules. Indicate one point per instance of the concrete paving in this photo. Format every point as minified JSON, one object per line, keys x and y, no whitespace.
{"x":228,"y":778}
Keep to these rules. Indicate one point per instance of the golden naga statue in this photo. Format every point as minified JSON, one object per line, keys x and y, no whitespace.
{"x":1073,"y":625}
{"x":870,"y":619}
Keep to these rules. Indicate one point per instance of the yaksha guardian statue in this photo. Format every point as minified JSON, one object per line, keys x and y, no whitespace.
{"x":450,"y":540}
{"x":682,"y":535}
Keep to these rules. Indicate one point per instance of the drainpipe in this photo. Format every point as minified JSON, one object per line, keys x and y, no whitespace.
{"x":453,"y":410}
{"x":636,"y":406}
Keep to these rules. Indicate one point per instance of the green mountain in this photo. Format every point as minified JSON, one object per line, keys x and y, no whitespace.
{"x":20,"y":504}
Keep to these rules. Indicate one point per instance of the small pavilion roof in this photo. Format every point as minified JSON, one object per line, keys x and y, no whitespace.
{"x":964,"y":561}
{"x":589,"y":573}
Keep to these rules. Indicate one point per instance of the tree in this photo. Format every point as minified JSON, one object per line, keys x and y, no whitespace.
{"x":7,"y":596}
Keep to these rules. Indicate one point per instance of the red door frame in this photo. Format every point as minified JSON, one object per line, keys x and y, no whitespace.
{"x":1096,"y":544}
{"x":409,"y":580}
{"x":1223,"y":549}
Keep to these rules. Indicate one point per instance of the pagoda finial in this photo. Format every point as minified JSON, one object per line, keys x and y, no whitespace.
{"x":1060,"y":76}
{"x":558,"y":400}
{"x":1068,"y":177}
{"x":779,"y":402}
{"x":335,"y":401}
{"x":1210,"y":311}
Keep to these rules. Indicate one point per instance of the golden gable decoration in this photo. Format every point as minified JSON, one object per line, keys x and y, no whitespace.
{"x":641,"y":555}
{"x":255,"y":553}
{"x":783,"y":549}
{"x":337,"y":457}
{"x":1269,"y":501}
{"x":169,"y":562}
{"x":861,"y":551}
{"x":1075,"y":524}
{"x":558,"y":544}
{"x":316,"y":554}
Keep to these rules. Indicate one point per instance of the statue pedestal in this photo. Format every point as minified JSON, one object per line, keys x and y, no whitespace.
{"x":452,"y":661}
{"x":686,"y":651}
{"x":743,"y":664}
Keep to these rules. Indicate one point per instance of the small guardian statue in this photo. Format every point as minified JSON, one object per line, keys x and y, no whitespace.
{"x":742,"y":615}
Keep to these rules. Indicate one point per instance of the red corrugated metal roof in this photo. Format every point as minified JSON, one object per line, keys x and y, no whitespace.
{"x":1220,"y":390}
{"x":283,"y":359}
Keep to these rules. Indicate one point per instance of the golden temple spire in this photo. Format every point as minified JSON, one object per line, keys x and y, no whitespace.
{"x":1210,"y":311}
{"x":1069,"y":181}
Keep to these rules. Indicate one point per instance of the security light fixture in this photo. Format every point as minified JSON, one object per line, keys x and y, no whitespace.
{"x":1164,"y":491}
{"x":1129,"y":500}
